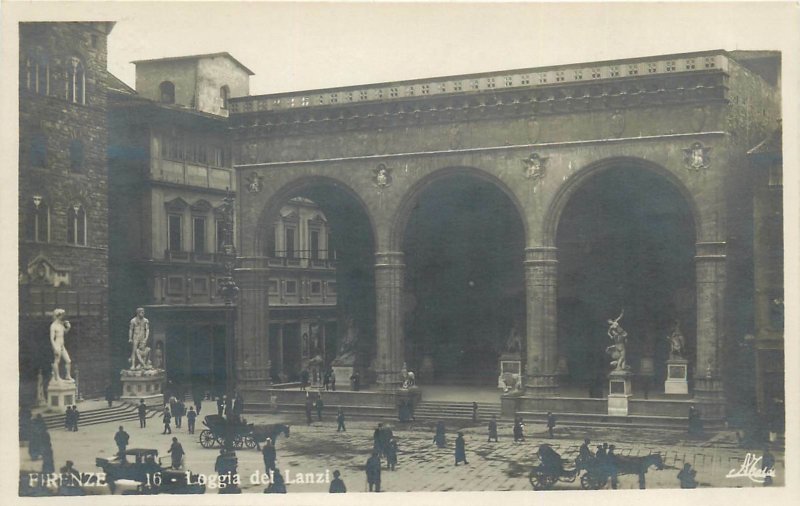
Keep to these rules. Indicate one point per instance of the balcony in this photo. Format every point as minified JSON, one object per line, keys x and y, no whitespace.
{"x":302,"y":263}
{"x":192,"y":257}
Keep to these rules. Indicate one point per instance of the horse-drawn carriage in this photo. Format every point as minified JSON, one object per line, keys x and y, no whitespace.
{"x":596,"y":471}
{"x":145,"y":472}
{"x":242,"y":434}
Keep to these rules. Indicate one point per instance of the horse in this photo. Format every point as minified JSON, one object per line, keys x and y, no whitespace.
{"x":639,"y":465}
{"x":271,"y":431}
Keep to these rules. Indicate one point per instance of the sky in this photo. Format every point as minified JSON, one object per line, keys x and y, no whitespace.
{"x":299,"y":46}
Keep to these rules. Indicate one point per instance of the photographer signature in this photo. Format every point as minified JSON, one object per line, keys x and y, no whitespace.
{"x":751,"y":468}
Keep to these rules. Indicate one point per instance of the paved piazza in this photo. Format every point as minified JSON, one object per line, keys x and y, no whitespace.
{"x":421,"y":466}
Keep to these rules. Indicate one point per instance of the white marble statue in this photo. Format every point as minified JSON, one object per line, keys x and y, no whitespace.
{"x":58,"y":330}
{"x":138,"y":335}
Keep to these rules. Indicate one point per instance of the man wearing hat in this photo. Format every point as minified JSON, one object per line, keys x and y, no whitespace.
{"x":337,"y":485}
{"x":461,"y":452}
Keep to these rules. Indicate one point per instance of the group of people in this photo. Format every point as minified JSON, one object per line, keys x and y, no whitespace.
{"x":71,"y":418}
{"x":603,"y":459}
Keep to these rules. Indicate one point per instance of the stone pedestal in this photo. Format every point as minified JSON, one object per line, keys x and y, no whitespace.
{"x":677,"y":377}
{"x":510,"y":377}
{"x":619,"y":392}
{"x":61,"y":394}
{"x":343,"y":373}
{"x":144,"y":384}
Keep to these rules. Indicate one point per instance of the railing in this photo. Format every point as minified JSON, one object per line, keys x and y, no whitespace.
{"x":305,"y":263}
{"x":192,"y":256}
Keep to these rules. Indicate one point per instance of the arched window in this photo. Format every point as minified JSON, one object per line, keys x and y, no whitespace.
{"x":224,"y":95}
{"x":37,"y":223}
{"x":76,"y":225}
{"x":167,"y":90}
{"x":76,"y":81}
{"x":76,"y":156}
{"x":36,"y":75}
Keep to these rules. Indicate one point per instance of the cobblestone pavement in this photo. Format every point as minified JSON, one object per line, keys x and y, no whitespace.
{"x":421,"y":466}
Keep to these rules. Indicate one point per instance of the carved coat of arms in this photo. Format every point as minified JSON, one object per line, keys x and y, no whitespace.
{"x":696,"y":156}
{"x":534,"y":166}
{"x":254,"y":183}
{"x":382,"y":177}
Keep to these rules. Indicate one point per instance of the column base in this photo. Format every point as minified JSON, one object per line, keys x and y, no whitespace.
{"x":389,"y":381}
{"x":543,"y":385}
{"x":144,"y":384}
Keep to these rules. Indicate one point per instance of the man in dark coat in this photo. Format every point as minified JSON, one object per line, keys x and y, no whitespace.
{"x":373,"y":470}
{"x":167,"y":418}
{"x":269,"y":454}
{"x":238,"y":404}
{"x":109,"y":394}
{"x":326,"y":380}
{"x":75,"y":417}
{"x":333,"y":379}
{"x":611,"y":465}
{"x":391,"y":454}
{"x":687,"y":477}
{"x":439,"y":438}
{"x":355,"y":380}
{"x":176,"y":450}
{"x":309,"y":403}
{"x":121,"y":438}
{"x":278,"y":485}
{"x":191,"y":417}
{"x":68,"y":419}
{"x":198,"y":401}
{"x":584,"y":454}
{"x":551,"y":423}
{"x":474,"y":411}
{"x":304,"y":377}
{"x":493,"y":428}
{"x":337,"y":485}
{"x":340,"y":421}
{"x":461,"y":451}
{"x":319,"y":405}
{"x":142,"y":410}
{"x":179,"y":408}
{"x":519,"y":430}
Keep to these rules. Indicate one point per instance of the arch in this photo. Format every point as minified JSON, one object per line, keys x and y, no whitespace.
{"x":576,"y":181}
{"x":166,"y":92}
{"x":76,"y":80}
{"x":291,"y":189}
{"x":400,"y":221}
{"x":76,"y":224}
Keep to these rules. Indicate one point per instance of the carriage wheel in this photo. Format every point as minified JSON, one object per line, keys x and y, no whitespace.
{"x":238,"y":442}
{"x":540,"y":481}
{"x":207,"y":439}
{"x":249,"y":442}
{"x":591,"y":481}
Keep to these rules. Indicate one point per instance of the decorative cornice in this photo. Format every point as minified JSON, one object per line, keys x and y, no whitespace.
{"x":563,"y":98}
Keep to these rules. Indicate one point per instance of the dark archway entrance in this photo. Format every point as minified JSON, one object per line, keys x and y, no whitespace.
{"x":464,"y":282}
{"x":626,"y":239}
{"x":320,"y":246}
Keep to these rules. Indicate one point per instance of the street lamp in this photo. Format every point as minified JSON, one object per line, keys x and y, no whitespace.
{"x":226,"y":287}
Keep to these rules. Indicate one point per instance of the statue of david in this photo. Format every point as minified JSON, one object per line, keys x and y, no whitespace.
{"x":58,"y":330}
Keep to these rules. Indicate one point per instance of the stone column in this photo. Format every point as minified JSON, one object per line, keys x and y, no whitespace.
{"x":541,"y":369}
{"x":389,"y":272}
{"x":251,"y":335}
{"x":279,"y":350}
{"x":710,"y":267}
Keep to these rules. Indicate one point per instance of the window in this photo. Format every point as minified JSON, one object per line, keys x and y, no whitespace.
{"x":167,"y":92}
{"x":542,"y":78}
{"x":224,"y":95}
{"x":174,"y":285}
{"x":334,"y":98}
{"x":76,"y":225}
{"x":525,"y":80}
{"x":490,"y":82}
{"x":633,"y":70}
{"x":314,"y":240}
{"x":690,"y":64}
{"x":199,"y":234}
{"x":559,"y":76}
{"x":316,"y":287}
{"x":271,"y":242}
{"x":348,"y":96}
{"x":509,"y":81}
{"x":613,"y":71}
{"x":595,"y":73}
{"x":174,"y":232}
{"x":200,"y":286}
{"x":76,"y":156}
{"x":578,"y":75}
{"x":652,"y":68}
{"x":476,"y":84}
{"x":38,"y":222}
{"x":362,"y":95}
{"x":331,"y":287}
{"x":42,"y":77}
{"x":304,"y":101}
{"x":457,"y":86}
{"x":393,"y":92}
{"x":289,"y":245}
{"x":670,"y":66}
{"x":708,"y":62}
{"x":220,"y":236}
{"x":291,"y":287}
{"x":410,"y":91}
{"x":76,"y":81}
{"x":38,"y":150}
{"x":426,"y":89}
{"x":35,"y":75}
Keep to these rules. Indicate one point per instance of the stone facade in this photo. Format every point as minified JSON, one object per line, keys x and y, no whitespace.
{"x":685,"y":118}
{"x":63,"y":198}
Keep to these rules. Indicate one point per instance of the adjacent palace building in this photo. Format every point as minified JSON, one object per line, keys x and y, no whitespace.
{"x":438,"y":223}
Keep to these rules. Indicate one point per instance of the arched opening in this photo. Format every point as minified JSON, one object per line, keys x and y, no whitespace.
{"x":626,"y":240}
{"x":224,"y":95}
{"x":166,"y":92}
{"x":319,"y":241}
{"x":464,"y":284}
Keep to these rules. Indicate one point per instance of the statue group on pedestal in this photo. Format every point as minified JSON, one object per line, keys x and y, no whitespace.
{"x":677,"y":343}
{"x":619,"y":337}
{"x":138,"y":335}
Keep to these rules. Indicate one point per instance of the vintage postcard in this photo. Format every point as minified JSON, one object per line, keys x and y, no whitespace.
{"x":380,"y":248}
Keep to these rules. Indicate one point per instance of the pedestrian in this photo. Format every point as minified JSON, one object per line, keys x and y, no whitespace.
{"x":474,"y":411}
{"x":198,"y":401}
{"x":167,"y":420}
{"x":333,"y":379}
{"x":326,"y":380}
{"x":461,"y":451}
{"x":337,"y":485}
{"x":355,"y":380}
{"x":695,"y":422}
{"x":319,"y":405}
{"x":38,"y":429}
{"x":611,"y":465}
{"x":75,"y":417}
{"x":519,"y":430}
{"x":238,"y":404}
{"x":584,"y":455}
{"x":439,"y":438}
{"x":173,"y":402}
{"x":176,"y":450}
{"x":373,"y":470}
{"x":68,"y":419}
{"x":767,"y":466}
{"x":220,"y":405}
{"x":109,"y":394}
{"x":551,"y":423}
{"x":142,"y":410}
{"x":493,"y":428}
{"x":340,"y":420}
{"x":277,"y":485}
{"x":391,"y":454}
{"x":308,"y":409}
{"x":121,"y":438}
{"x":179,"y":410}
{"x":304,"y":377}
{"x":70,"y":482}
{"x":377,"y":440}
{"x":191,"y":417}
{"x":269,"y":454}
{"x":48,"y":465}
{"x":687,"y":477}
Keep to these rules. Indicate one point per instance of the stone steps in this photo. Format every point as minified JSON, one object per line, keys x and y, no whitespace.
{"x":591,"y":420}
{"x":447,"y":410}
{"x":122,"y":412}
